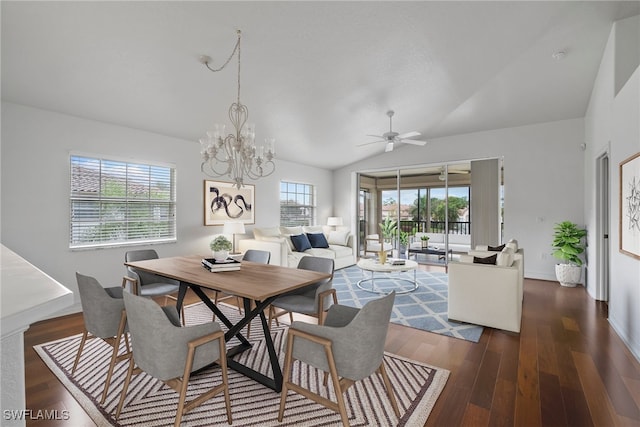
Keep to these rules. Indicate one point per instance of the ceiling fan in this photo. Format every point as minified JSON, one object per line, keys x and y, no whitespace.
{"x":443,"y":174}
{"x":391,"y":137}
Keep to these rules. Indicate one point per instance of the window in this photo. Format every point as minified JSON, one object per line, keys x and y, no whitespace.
{"x":297,"y":204}
{"x":457,"y":214}
{"x":115,"y":203}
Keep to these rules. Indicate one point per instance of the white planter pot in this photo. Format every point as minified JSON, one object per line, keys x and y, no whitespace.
{"x":220,"y":255}
{"x":568,"y":275}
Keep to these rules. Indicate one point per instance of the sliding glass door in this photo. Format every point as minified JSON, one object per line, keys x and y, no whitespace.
{"x":430,"y":199}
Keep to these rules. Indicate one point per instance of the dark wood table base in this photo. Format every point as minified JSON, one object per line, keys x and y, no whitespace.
{"x":274,"y":383}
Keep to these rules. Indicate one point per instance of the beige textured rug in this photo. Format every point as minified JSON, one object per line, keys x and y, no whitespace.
{"x":150,"y":403}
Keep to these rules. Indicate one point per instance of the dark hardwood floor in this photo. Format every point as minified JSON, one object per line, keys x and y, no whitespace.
{"x":567,"y":367}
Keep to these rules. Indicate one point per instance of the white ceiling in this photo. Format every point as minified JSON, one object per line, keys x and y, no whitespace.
{"x":317,"y":76}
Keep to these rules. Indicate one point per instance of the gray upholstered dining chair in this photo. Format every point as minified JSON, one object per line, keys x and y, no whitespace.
{"x":312,"y":300}
{"x":149,"y":284}
{"x":105,"y":318}
{"x":169,"y":352}
{"x":255,"y":255}
{"x":349,"y":347}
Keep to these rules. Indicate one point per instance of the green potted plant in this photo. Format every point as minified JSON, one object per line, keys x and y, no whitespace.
{"x":220,"y":247}
{"x":388,"y":229}
{"x":568,"y":246}
{"x":425,"y":241}
{"x":403,"y":237}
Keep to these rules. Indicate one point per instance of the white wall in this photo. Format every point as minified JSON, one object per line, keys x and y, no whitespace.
{"x":35,"y":190}
{"x":612,"y":125}
{"x":543,"y":171}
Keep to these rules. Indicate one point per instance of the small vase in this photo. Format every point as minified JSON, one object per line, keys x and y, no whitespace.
{"x":220,"y":255}
{"x":382,"y":257}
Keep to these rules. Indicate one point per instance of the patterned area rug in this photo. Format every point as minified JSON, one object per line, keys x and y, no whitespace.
{"x":425,"y":308}
{"x":150,"y":403}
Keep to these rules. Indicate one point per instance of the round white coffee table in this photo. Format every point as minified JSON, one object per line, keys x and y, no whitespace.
{"x":373,"y":266}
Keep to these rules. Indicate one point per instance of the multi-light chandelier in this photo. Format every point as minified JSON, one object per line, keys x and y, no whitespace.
{"x":236,"y":154}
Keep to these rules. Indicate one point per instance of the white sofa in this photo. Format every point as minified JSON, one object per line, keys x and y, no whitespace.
{"x":460,"y":243}
{"x":277,"y":240}
{"x":483,"y":251}
{"x":488,"y":295}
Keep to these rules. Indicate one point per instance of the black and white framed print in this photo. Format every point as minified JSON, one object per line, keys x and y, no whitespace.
{"x":630,"y":206}
{"x":223,"y":202}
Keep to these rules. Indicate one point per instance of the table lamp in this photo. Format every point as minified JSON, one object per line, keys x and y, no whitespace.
{"x":334,"y":221}
{"x":233,"y":228}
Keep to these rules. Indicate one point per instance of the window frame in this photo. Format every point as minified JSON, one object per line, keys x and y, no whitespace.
{"x":312,"y":205}
{"x":140,"y":213}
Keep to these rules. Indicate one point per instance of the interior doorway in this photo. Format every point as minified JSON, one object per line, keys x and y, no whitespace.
{"x":603,"y":202}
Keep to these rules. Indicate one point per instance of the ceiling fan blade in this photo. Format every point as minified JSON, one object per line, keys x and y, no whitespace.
{"x":409,"y":135}
{"x":414,"y":142}
{"x":389,"y":147}
{"x":372,"y":142}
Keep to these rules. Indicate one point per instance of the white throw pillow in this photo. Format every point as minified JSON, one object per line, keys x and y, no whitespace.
{"x":508,"y":249}
{"x":291,"y":230}
{"x":261,"y":233}
{"x":505,"y":259}
{"x":338,"y":238}
{"x":313,"y":229}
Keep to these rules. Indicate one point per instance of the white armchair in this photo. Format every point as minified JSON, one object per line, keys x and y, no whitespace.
{"x":373,"y":243}
{"x":488,"y":295}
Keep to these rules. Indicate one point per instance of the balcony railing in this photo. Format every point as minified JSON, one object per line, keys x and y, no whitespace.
{"x":455,"y":227}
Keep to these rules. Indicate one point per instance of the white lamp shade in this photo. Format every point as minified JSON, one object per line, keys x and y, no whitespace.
{"x":233,"y":228}
{"x":334,"y":220}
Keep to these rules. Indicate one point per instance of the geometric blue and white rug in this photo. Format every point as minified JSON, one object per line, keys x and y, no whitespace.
{"x":425,"y":308}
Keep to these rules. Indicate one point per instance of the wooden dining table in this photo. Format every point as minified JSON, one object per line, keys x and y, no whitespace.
{"x":260,"y":283}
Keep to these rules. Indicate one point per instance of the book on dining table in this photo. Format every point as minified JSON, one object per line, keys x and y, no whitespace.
{"x":215,"y":266}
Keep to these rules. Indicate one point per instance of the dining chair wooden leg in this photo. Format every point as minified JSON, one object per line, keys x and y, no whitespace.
{"x":82,"y":341}
{"x":288,"y":362}
{"x":337,"y":385}
{"x":225,"y":378}
{"x":389,"y":387}
{"x":125,"y":387}
{"x":114,"y":354}
{"x":184,"y":384}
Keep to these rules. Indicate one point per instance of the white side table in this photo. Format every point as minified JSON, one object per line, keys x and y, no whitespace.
{"x":373,"y":266}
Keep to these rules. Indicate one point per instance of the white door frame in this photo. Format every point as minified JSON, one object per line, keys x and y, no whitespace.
{"x":603,"y":212}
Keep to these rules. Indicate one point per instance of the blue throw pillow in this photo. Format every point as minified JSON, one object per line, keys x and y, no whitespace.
{"x":317,"y":240}
{"x":301,"y":242}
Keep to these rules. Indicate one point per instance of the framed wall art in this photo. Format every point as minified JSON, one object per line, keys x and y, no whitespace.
{"x":223,"y":202}
{"x":630,"y":206}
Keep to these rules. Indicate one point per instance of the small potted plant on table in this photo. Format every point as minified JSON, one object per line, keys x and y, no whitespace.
{"x":388,"y":230}
{"x":425,"y":241}
{"x":568,"y":245}
{"x":220,"y":247}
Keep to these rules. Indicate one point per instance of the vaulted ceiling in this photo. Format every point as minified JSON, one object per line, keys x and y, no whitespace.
{"x":317,"y":76}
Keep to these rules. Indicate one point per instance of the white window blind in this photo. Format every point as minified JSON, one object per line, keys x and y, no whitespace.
{"x":297,"y":204}
{"x":115,"y":203}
